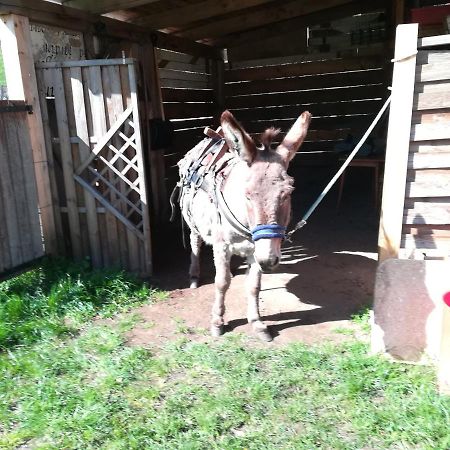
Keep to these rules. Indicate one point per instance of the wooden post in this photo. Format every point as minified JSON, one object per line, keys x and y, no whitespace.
{"x":218,"y":80}
{"x":397,"y":145}
{"x":154,"y":109}
{"x":444,"y":357}
{"x":15,"y":40}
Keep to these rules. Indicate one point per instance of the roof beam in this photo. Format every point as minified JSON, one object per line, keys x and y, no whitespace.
{"x":195,"y":12}
{"x":105,"y":6}
{"x":43,"y":12}
{"x":262,"y":16}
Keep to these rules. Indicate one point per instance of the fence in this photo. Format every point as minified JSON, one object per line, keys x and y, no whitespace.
{"x":91,"y":122}
{"x":20,"y":231}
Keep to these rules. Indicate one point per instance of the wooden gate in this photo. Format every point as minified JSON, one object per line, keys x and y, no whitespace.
{"x":20,"y":231}
{"x":91,"y":122}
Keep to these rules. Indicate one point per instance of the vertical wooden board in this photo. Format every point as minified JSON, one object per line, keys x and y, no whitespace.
{"x":82,"y":133}
{"x":114,"y":107}
{"x":100,"y":128}
{"x":132,"y":240}
{"x":397,"y":145}
{"x":5,"y":255}
{"x":155,"y":160}
{"x":20,"y":29}
{"x":15,"y":127}
{"x":103,"y":235}
{"x":85,"y":232}
{"x":140,"y":163}
{"x":7,"y":184}
{"x":75,"y":159}
{"x":444,"y":354}
{"x":96,"y":164}
{"x":67,"y":164}
{"x":30,"y":188}
{"x":44,"y":79}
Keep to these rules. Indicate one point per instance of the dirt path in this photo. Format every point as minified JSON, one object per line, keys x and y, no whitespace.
{"x":327,"y":274}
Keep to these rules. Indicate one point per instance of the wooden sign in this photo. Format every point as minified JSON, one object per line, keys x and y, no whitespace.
{"x":55,"y":44}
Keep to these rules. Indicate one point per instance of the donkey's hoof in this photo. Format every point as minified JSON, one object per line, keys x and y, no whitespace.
{"x":264,"y":335}
{"x":194,"y":283}
{"x":217,"y":330}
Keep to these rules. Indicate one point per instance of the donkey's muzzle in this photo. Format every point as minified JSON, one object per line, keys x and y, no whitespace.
{"x":270,"y":264}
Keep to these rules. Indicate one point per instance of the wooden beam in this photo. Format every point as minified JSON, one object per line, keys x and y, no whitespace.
{"x":75,"y":19}
{"x":261,"y":16}
{"x":105,"y":6}
{"x":154,"y":110}
{"x":285,"y":44}
{"x":297,"y":23}
{"x":397,"y":145}
{"x":398,"y":11}
{"x":444,"y":355}
{"x":308,"y":68}
{"x":195,"y":12}
{"x":15,"y":30}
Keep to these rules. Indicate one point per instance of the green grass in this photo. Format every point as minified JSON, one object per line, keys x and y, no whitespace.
{"x":88,"y":390}
{"x":58,"y":297}
{"x":2,"y":71}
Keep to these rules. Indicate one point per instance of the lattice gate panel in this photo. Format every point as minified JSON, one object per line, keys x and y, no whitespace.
{"x":99,"y":172}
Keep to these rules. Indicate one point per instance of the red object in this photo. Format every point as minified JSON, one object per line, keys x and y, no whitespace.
{"x":431,"y":15}
{"x":447,"y":299}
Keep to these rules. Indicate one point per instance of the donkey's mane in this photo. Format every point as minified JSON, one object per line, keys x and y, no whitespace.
{"x":268,"y":136}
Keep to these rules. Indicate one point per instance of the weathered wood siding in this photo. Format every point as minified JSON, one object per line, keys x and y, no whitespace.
{"x":343,"y":95}
{"x":426,"y":218}
{"x":188,"y":99}
{"x":20,"y":231}
{"x":92,"y":126}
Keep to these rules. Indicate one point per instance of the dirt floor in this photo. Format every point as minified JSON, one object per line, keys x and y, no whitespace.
{"x":326,"y":275}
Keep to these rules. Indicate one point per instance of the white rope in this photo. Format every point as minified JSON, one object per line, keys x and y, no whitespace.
{"x":342,"y":168}
{"x":404,"y":58}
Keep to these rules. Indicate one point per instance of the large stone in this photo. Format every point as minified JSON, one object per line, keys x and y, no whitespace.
{"x":407,"y":318}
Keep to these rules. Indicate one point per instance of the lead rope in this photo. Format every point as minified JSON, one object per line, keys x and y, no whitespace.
{"x":302,"y":222}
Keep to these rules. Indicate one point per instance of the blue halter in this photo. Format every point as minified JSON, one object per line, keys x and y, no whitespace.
{"x":268,"y":231}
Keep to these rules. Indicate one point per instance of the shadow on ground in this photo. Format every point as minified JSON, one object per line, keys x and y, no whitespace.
{"x":327,"y":273}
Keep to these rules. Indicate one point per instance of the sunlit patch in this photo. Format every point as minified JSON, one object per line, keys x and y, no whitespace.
{"x":294,"y":254}
{"x":368,"y":255}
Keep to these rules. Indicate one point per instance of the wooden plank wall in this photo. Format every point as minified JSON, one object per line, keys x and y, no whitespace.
{"x":343,"y":94}
{"x":20,"y":231}
{"x":188,"y":100}
{"x":426,"y":219}
{"x":341,"y":79}
{"x":80,"y":103}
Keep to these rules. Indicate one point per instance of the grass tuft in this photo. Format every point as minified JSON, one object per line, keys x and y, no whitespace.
{"x":58,"y":297}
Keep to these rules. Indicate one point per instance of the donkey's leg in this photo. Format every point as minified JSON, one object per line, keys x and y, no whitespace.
{"x":194,"y":268}
{"x":253,"y":287}
{"x":222,"y":281}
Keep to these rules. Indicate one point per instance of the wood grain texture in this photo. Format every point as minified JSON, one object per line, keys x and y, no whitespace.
{"x":397,"y":146}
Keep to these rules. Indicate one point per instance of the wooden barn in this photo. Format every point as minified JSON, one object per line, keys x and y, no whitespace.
{"x":105,"y":97}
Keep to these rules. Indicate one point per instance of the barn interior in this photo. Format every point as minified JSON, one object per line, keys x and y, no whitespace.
{"x":264,"y":60}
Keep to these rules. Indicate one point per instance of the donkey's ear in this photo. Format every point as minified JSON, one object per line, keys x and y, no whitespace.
{"x":236,"y":137}
{"x":294,"y":138}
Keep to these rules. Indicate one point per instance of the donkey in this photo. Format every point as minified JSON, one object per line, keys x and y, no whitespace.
{"x":243,"y":209}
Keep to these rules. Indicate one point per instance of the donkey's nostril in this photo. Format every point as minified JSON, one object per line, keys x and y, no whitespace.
{"x":269,"y":264}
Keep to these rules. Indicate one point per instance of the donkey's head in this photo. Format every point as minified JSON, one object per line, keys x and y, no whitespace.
{"x":267,"y":187}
